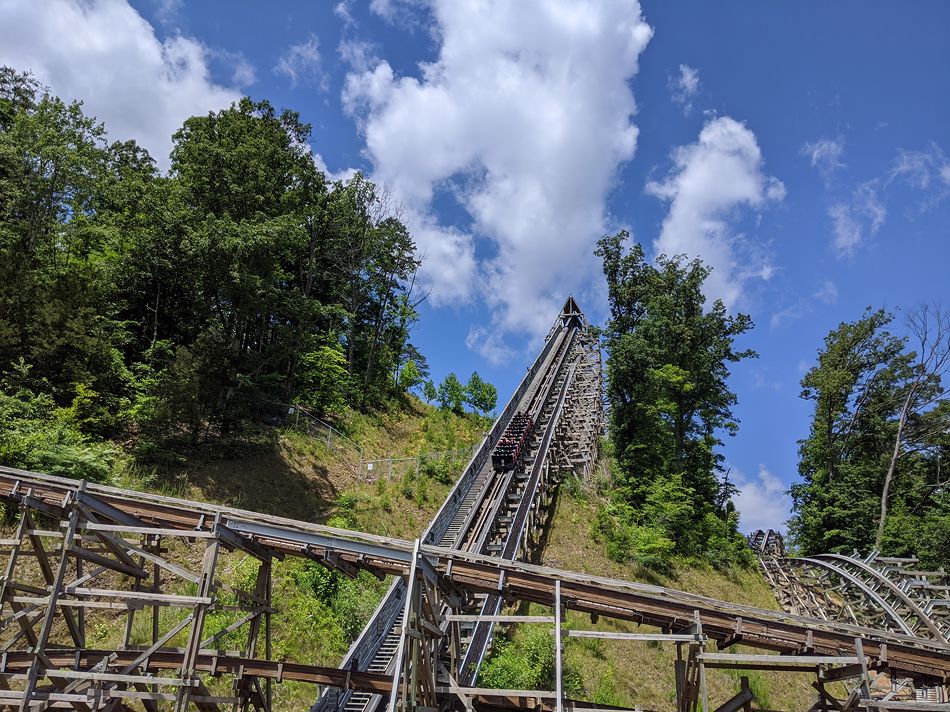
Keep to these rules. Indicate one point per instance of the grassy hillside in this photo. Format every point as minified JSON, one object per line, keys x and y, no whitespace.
{"x":287,"y":473}
{"x":627,"y":673}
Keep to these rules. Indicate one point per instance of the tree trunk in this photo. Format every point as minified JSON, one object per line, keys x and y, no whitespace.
{"x":892,"y":467}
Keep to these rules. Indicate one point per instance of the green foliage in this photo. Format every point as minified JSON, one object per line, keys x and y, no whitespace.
{"x":441,"y":469}
{"x":606,"y":691}
{"x":525,"y":664}
{"x":35,"y":434}
{"x":668,"y":360}
{"x":480,"y":394}
{"x":323,"y":379}
{"x":429,"y":392}
{"x":627,"y":541}
{"x":864,"y":380}
{"x":409,"y":376}
{"x":154,"y":306}
{"x":451,"y":394}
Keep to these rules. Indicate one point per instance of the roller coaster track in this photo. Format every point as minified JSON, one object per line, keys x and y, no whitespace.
{"x":873,"y":591}
{"x":497,"y":512}
{"x":85,"y":553}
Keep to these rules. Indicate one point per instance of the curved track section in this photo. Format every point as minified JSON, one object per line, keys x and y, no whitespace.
{"x":892,"y":594}
{"x":875,"y":591}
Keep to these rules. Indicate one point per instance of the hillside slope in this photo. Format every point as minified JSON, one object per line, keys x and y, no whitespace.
{"x":288,"y":473}
{"x":628,"y":673}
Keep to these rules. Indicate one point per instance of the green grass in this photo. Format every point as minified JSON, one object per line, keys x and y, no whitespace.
{"x":626,"y":673}
{"x":287,"y":473}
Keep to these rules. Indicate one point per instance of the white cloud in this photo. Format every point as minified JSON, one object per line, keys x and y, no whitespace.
{"x":525,"y":129}
{"x":922,"y":169}
{"x":166,"y":11}
{"x":684,"y":87}
{"x":359,"y":55}
{"x":104,"y":53}
{"x":710,"y":182}
{"x":855,"y":219}
{"x":795,"y":311}
{"x":827,"y":293}
{"x":343,"y":175}
{"x":825,"y":155}
{"x":847,"y":231}
{"x":928,"y":172}
{"x":342,"y":10}
{"x":489,"y":344}
{"x":761,"y":501}
{"x":244,"y":73}
{"x":301,"y":63}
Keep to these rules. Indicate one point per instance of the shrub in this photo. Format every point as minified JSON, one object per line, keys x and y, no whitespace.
{"x":36,"y":435}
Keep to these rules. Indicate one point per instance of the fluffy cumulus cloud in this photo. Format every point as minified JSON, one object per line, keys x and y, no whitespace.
{"x":761,"y":501}
{"x":710,"y":183}
{"x":104,"y":53}
{"x":524,"y":129}
{"x":684,"y":87}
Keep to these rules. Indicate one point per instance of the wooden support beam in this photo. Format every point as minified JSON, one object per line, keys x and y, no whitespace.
{"x":47,"y":623}
{"x":739,"y":701}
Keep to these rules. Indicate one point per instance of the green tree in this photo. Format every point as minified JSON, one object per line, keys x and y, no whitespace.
{"x":323,"y":379}
{"x":429,"y":391}
{"x":149,"y":305}
{"x":451,"y":393}
{"x":668,"y":360}
{"x":480,"y":394}
{"x":409,"y":376}
{"x":870,"y":466}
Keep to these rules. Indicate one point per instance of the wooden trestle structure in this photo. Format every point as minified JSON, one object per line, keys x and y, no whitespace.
{"x":887,"y":593}
{"x":83,"y":552}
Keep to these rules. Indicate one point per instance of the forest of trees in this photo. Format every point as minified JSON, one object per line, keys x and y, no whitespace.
{"x":668,"y":358}
{"x":143,"y":306}
{"x":874,"y":464}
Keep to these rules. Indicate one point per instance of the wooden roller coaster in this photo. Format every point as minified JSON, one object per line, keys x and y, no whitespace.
{"x":82,"y":551}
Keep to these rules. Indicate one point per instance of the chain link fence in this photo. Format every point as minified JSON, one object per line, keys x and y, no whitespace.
{"x":439,"y":464}
{"x":442,"y":465}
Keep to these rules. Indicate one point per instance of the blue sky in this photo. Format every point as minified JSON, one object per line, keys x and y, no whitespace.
{"x":803,"y":149}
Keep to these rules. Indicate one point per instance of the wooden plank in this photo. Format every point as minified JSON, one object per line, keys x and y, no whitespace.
{"x":474,"y":618}
{"x":492,"y":692}
{"x":736,"y":702}
{"x":787,"y":660}
{"x":558,"y":653}
{"x":120,"y":566}
{"x":146,"y":596}
{"x":151,"y":531}
{"x":68,"y":603}
{"x":117,"y":677}
{"x":908,"y":705}
{"x":654,"y":637}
